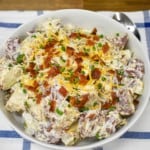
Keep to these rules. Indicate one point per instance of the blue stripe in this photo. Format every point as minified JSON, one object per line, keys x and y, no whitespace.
{"x":9,"y":134}
{"x":130,"y":134}
{"x":143,"y":25}
{"x":147,"y":30}
{"x":9,"y":25}
{"x":40,"y":12}
{"x":26,"y":145}
{"x":136,"y":135}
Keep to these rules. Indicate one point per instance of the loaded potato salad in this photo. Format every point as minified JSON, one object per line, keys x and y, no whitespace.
{"x":70,"y":83}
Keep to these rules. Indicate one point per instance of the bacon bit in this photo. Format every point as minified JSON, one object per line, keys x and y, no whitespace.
{"x":79,"y":104}
{"x":90,"y":42}
{"x":50,"y":45}
{"x":101,"y":61}
{"x":46,"y":63}
{"x":83,"y":35}
{"x":73,"y":35}
{"x":54,"y":71}
{"x":95,"y":58}
{"x":63,"y":91}
{"x":94,"y":31}
{"x":74,"y":79}
{"x":96,"y":37}
{"x":119,"y":78}
{"x":45,"y":84}
{"x":79,"y":54}
{"x":91,"y":116}
{"x":52,"y":106}
{"x":78,"y":70}
{"x":47,"y":93}
{"x":105,"y":48}
{"x":96,"y":73}
{"x":68,"y":62}
{"x":84,"y":99}
{"x":108,"y":105}
{"x":114,"y":96}
{"x":31,"y":70}
{"x":111,"y":102}
{"x":78,"y":60}
{"x":83,"y":79}
{"x":33,"y":87}
{"x":111,"y":72}
{"x":38,"y":98}
{"x":70,"y":51}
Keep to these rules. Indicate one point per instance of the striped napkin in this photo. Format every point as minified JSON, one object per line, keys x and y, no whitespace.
{"x":137,"y":138}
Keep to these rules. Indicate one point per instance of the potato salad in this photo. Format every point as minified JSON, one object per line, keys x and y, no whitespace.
{"x":70,"y":83}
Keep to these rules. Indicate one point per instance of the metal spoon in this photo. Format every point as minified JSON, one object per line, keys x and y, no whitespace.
{"x":126,"y":21}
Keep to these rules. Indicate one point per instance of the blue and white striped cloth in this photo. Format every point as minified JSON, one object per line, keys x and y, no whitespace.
{"x":137,"y":138}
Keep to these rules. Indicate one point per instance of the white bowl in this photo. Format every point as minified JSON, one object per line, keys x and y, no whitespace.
{"x":86,"y":19}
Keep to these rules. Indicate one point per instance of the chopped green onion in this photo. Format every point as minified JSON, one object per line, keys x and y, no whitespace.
{"x":24,"y":91}
{"x":97,"y":135}
{"x":69,"y":105}
{"x":76,"y":80}
{"x":117,"y":34}
{"x":20,"y":58}
{"x":95,"y":103}
{"x":41,"y":74}
{"x":103,"y":79}
{"x":63,"y":48}
{"x":94,"y":48}
{"x":33,"y":36}
{"x":59,"y":112}
{"x":120,"y":72}
{"x":62,"y":69}
{"x":101,"y":35}
{"x":86,"y":50}
{"x":99,"y":86}
{"x":99,"y":44}
{"x":26,"y":104}
{"x":92,"y":67}
{"x":62,"y":59}
{"x":82,"y":72}
{"x":112,"y":108}
{"x":10,"y":65}
{"x":41,"y":46}
{"x":83,"y":109}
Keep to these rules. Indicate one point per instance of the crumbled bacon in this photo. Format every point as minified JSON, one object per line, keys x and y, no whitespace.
{"x":63,"y":91}
{"x":96,"y":73}
{"x":79,"y":103}
{"x":52,"y":106}
{"x":46,"y":63}
{"x":95,"y":37}
{"x":32,"y":87}
{"x":70,"y":51}
{"x":91,"y":116}
{"x":95,"y":57}
{"x":38,"y":98}
{"x":94,"y":31}
{"x":83,"y":79}
{"x":105,"y":48}
{"x":73,"y":35}
{"x":109,"y":104}
{"x":78,"y":60}
{"x":50,"y":45}
{"x":54,"y":71}
{"x":111,"y":72}
{"x":31,"y":69}
{"x":90,"y":42}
